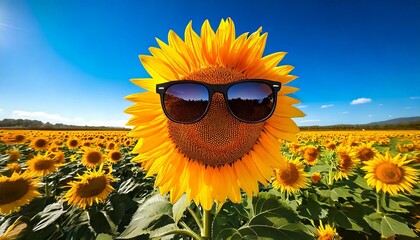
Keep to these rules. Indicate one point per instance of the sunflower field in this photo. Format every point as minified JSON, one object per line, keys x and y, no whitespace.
{"x":83,"y":185}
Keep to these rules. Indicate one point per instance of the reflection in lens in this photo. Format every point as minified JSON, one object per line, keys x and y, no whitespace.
{"x":186,"y":102}
{"x":250,"y":101}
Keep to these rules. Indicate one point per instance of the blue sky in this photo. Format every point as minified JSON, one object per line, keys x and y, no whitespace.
{"x":71,"y":61}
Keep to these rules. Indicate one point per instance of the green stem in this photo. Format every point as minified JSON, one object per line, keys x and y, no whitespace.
{"x":185,"y":232}
{"x":206,"y":230}
{"x":378,"y":202}
{"x":330,"y":177}
{"x":197,"y":220}
{"x":47,"y":192}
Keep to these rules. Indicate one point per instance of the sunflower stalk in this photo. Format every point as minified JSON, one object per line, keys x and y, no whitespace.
{"x":196,"y":218}
{"x":47,"y":190}
{"x":206,"y":230}
{"x":378,"y":202}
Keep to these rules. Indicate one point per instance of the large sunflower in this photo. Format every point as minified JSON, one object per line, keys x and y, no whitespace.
{"x":211,"y":160}
{"x":16,"y":191}
{"x":390,"y":174}
{"x":92,"y":186}
{"x":42,"y":165}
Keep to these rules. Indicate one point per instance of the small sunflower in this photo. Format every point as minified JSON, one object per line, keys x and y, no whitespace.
{"x":14,"y":231}
{"x":73,"y":143}
{"x":365,"y":151}
{"x":316,"y":177}
{"x":213,"y":159}
{"x":347,"y":160}
{"x":290,"y":178}
{"x":14,"y":167}
{"x":58,"y":156}
{"x":16,"y":138}
{"x":91,"y":187}
{"x":114,"y":155}
{"x":92,"y":157}
{"x":16,"y":191}
{"x":42,"y":165}
{"x":39,"y":143}
{"x":326,"y":232}
{"x":390,"y":174}
{"x":310,"y":154}
{"x":14,"y":155}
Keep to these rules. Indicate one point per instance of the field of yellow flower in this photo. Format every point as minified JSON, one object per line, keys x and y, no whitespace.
{"x":334,"y":185}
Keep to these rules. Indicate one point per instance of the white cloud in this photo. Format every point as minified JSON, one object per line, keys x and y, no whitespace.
{"x":414,"y":98}
{"x":370,"y":115}
{"x":361,"y":101}
{"x":310,"y":121}
{"x":389,"y":115}
{"x":302,"y":106}
{"x":407,"y":108}
{"x":327,"y":106}
{"x":344,"y":112}
{"x":57,"y":118}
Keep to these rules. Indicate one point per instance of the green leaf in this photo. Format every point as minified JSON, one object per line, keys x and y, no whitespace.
{"x":261,"y":232}
{"x":392,"y":225}
{"x":103,"y":236}
{"x":374,"y":221}
{"x":152,"y":217}
{"x":312,"y":210}
{"x":98,"y":222}
{"x":230,"y":216}
{"x":339,"y":192}
{"x":179,"y":207}
{"x":361,"y":182}
{"x":272,"y":219}
{"x":49,"y":215}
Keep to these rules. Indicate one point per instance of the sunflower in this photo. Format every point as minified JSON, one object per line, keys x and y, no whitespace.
{"x":73,"y":143}
{"x":310,"y":154}
{"x":316,"y":177}
{"x":326,"y":232}
{"x":390,"y":174}
{"x":211,"y":160}
{"x":58,"y":156}
{"x":16,"y":191}
{"x":16,"y":138}
{"x":39,"y":143}
{"x":114,"y":155}
{"x":15,"y":230}
{"x":14,"y":155}
{"x":366,"y":152}
{"x":92,"y":157}
{"x":347,"y":160}
{"x":92,"y":186}
{"x":14,"y":167}
{"x":290,"y":178}
{"x":42,"y":165}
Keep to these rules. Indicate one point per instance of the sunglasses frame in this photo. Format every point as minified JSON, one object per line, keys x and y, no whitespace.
{"x":220,"y":88}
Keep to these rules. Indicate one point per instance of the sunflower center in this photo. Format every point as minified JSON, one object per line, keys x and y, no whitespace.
{"x":389,"y":173}
{"x":43,"y":164}
{"x":19,"y":138}
{"x":92,"y":188}
{"x":116,"y":156}
{"x":41,"y":143}
{"x":12,"y":191}
{"x":94,"y":157}
{"x":73,"y":143}
{"x":366,"y":154}
{"x":289,"y":175}
{"x":345,"y":162}
{"x":218,"y":138}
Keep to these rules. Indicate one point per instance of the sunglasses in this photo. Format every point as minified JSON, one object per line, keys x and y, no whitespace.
{"x":250,"y":100}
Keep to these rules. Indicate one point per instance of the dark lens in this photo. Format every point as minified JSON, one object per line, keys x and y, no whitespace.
{"x":251,"y":101}
{"x":186,"y":102}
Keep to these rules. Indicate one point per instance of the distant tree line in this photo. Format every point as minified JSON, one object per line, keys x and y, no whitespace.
{"x":395,"y":126}
{"x":38,"y":125}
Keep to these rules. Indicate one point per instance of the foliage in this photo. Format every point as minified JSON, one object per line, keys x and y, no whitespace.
{"x":134,"y":210}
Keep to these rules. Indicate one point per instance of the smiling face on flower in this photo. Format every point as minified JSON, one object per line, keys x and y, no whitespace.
{"x":217,"y":147}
